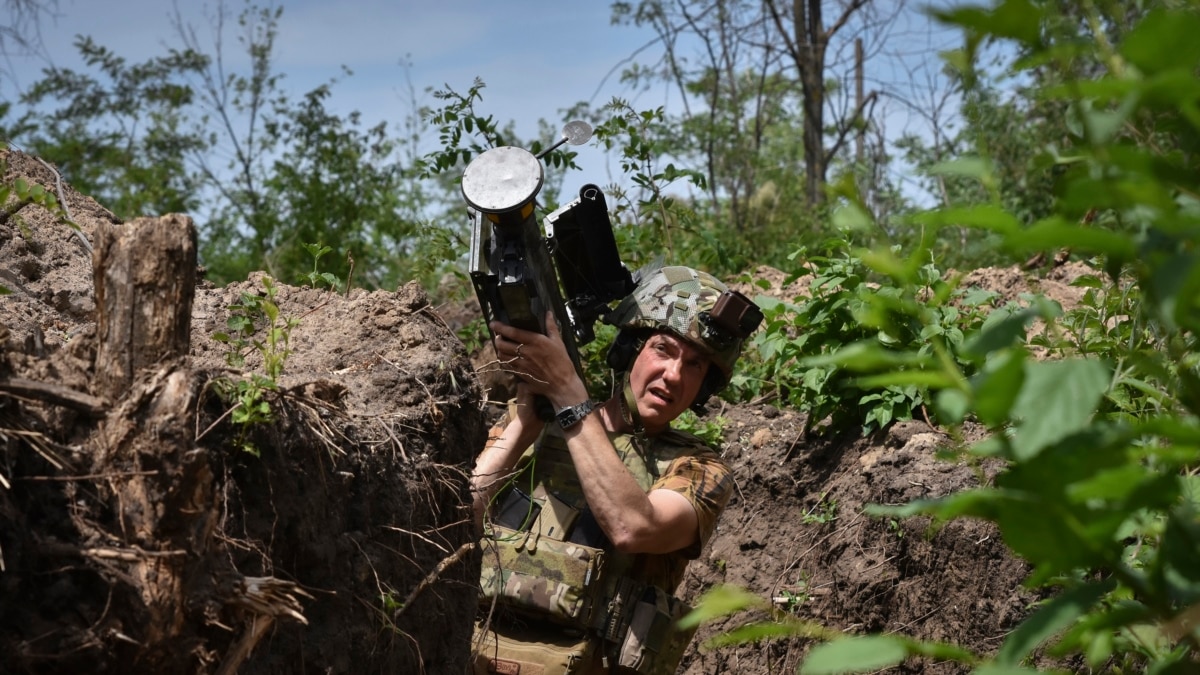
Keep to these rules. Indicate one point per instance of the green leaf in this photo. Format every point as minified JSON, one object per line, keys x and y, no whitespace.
{"x":886,"y":262}
{"x":855,"y":655}
{"x":863,"y":356}
{"x":1017,"y":19}
{"x":316,"y":250}
{"x":1173,"y":279}
{"x":952,"y":406}
{"x":852,"y":218}
{"x":1048,"y":620}
{"x":768,"y":303}
{"x":1116,"y":483}
{"x":978,"y":168}
{"x":994,"y":669}
{"x":966,"y":503}
{"x":1057,"y":400}
{"x":957,"y":59}
{"x":1181,"y":553}
{"x":765,"y":630}
{"x":239,"y":324}
{"x":986,"y":217}
{"x":976,"y":297}
{"x":995,"y":390}
{"x":1105,"y":123}
{"x":928,"y":379}
{"x":1001,"y":329}
{"x":719,"y":602}
{"x":1043,"y":532}
{"x":1053,"y":233}
{"x":942,"y":651}
{"x":1162,"y":41}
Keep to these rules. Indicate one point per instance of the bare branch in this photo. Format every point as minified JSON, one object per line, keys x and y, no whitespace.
{"x":845,"y":17}
{"x":23,"y":33}
{"x":849,"y":125}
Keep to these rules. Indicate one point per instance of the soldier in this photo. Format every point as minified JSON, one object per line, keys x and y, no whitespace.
{"x":592,"y":519}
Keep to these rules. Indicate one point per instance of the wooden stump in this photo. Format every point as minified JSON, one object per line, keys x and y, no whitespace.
{"x":145,"y":276}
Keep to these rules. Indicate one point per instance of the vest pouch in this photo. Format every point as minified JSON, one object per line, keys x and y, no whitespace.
{"x":539,"y":577}
{"x":653,"y":644}
{"x":529,"y":652}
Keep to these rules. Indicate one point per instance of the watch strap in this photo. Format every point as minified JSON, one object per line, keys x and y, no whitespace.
{"x":574,"y":414}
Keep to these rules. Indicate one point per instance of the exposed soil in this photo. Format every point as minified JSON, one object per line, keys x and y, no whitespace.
{"x":356,"y":501}
{"x":139,"y":538}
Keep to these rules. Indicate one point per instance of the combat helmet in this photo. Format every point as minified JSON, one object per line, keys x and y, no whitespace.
{"x":693,"y":305}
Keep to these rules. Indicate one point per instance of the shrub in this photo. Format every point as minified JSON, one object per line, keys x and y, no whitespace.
{"x":1101,"y":493}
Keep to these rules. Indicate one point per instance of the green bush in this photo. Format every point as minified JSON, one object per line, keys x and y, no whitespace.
{"x":248,"y":395}
{"x":812,"y":350}
{"x":1102,"y":441}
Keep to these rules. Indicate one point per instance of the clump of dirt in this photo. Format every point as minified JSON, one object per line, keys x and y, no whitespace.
{"x":143,"y":539}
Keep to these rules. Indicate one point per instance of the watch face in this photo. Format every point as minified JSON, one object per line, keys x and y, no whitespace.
{"x":570,"y":416}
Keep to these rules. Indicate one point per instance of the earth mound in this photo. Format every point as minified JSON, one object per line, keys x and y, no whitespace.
{"x":149,"y":531}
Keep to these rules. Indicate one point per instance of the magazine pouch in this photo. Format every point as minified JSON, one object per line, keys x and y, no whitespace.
{"x":527,"y":653}
{"x":653,"y":644}
{"x":541,"y":578}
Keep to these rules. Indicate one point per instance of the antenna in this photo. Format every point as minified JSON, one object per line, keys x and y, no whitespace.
{"x":575,"y":133}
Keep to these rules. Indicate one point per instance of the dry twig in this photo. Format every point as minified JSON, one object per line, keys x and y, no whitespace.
{"x":51,"y":393}
{"x":433,"y":576}
{"x":62,"y":200}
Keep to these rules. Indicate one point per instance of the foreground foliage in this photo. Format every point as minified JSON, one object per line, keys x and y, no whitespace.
{"x":1102,"y":440}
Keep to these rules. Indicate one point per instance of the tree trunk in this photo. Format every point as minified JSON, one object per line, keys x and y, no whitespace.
{"x":807,"y":42}
{"x":811,"y":43}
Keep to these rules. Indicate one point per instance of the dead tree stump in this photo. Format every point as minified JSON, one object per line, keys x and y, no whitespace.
{"x":145,"y":276}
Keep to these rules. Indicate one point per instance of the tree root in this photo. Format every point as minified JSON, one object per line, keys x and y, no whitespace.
{"x":259,"y":625}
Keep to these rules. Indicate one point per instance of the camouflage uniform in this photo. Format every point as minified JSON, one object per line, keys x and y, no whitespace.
{"x":672,"y":460}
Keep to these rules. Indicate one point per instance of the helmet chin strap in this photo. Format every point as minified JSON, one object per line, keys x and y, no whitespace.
{"x":629,"y":411}
{"x":630,"y":416}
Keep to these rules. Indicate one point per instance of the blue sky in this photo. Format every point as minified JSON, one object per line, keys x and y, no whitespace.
{"x":535,"y":57}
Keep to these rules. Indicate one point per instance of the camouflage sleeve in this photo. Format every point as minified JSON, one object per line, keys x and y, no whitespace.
{"x":707,"y":482}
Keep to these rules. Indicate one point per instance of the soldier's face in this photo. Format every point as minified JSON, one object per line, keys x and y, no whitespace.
{"x":665,"y":378}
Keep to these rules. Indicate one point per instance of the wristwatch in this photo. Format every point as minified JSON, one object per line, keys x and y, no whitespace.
{"x":573,"y":414}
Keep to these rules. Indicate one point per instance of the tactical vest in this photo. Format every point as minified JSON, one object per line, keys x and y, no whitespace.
{"x":546,"y":559}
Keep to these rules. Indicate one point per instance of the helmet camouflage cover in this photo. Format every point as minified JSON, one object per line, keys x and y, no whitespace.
{"x":679,"y":300}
